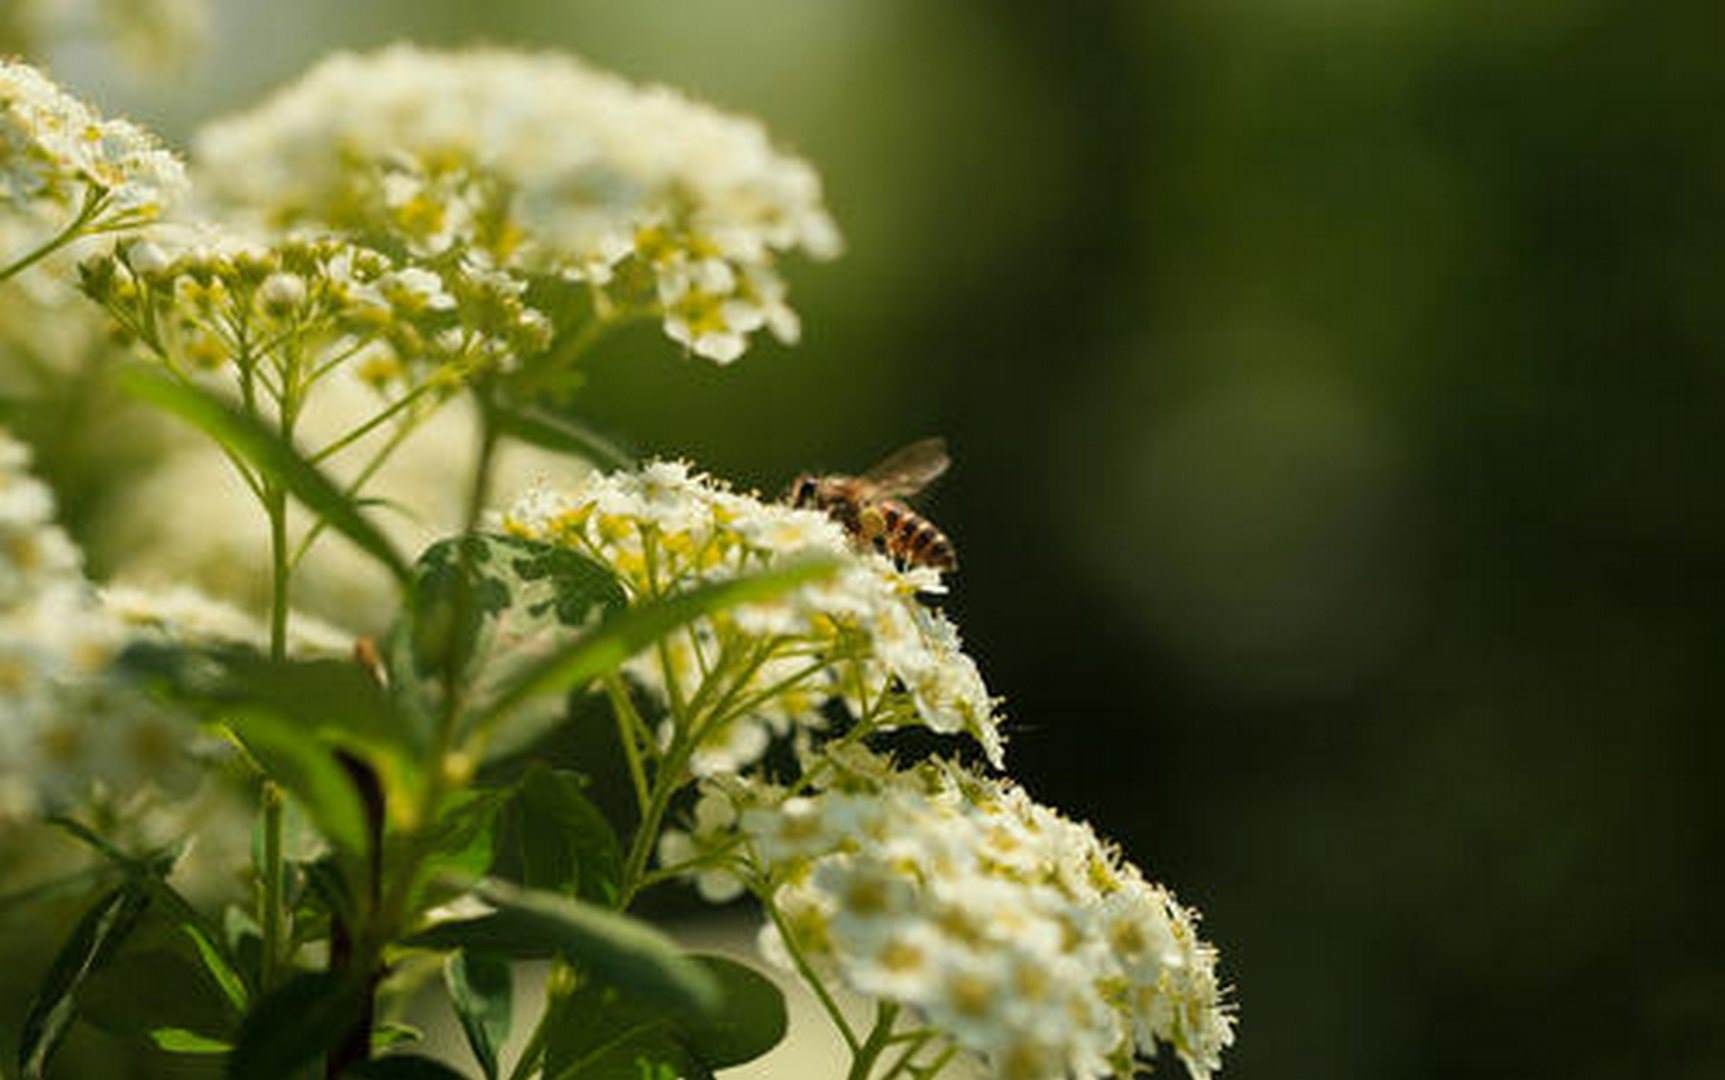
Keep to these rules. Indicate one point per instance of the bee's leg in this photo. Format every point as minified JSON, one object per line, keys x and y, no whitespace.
{"x":871,"y":526}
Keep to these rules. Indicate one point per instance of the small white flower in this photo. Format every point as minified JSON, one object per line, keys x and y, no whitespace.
{"x":532,"y":161}
{"x":955,"y":895}
{"x":55,"y":151}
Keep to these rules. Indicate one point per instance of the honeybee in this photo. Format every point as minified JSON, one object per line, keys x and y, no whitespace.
{"x":869,"y":506}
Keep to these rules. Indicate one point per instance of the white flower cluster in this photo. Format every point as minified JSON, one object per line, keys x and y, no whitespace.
{"x":66,"y":727}
{"x":860,"y":636}
{"x":536,"y":162}
{"x":56,"y":154}
{"x":1010,"y":929}
{"x":207,"y":296}
{"x":151,"y":35}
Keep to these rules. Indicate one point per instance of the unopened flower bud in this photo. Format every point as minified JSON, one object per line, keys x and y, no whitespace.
{"x":281,"y":294}
{"x":146,"y":259}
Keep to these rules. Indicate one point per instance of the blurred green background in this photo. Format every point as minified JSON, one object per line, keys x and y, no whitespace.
{"x":1335,"y":388}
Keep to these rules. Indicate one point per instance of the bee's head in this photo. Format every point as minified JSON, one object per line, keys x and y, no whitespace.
{"x":801,"y":493}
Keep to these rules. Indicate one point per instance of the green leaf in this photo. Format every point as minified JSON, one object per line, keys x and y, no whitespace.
{"x":485,"y":607}
{"x":269,"y":453}
{"x":482,"y":989}
{"x":180,"y":1041}
{"x":750,"y":1022}
{"x":617,"y":949}
{"x":603,"y":649}
{"x":308,"y":768}
{"x":157,"y":982}
{"x":561,"y":434}
{"x":401,"y":1067}
{"x":296,"y":718}
{"x":295,"y":1024}
{"x":562,"y":841}
{"x":461,"y":845}
{"x":90,"y":947}
{"x":337,"y":697}
{"x":604,"y":1034}
{"x":216,"y":962}
{"x":393,"y":1033}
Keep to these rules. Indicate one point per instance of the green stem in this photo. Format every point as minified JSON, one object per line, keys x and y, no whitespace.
{"x":353,"y":489}
{"x":480,"y":489}
{"x":382,"y":417}
{"x":627,"y":722}
{"x":807,"y":971}
{"x":273,"y":915}
{"x":864,"y":1057}
{"x":93,"y":201}
{"x":276,"y":506}
{"x":917,"y":1041}
{"x":272,"y":884}
{"x":647,"y":833}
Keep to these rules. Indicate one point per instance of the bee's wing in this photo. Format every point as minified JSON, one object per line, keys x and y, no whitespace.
{"x":909,"y":470}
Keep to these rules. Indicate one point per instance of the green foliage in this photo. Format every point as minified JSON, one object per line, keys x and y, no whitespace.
{"x":482,"y":991}
{"x":392,"y":1033}
{"x":558,"y":840}
{"x":221,"y":970}
{"x":295,"y":1024}
{"x":89,"y":948}
{"x":618,"y":950}
{"x":180,"y":1041}
{"x":750,"y":1022}
{"x":253,"y":442}
{"x":294,"y":757}
{"x":485,"y":607}
{"x":603,"y":1033}
{"x":295,"y":718}
{"x":183,"y":996}
{"x":401,"y":1067}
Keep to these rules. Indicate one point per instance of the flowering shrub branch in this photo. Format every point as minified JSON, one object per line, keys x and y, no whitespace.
{"x":437,"y":226}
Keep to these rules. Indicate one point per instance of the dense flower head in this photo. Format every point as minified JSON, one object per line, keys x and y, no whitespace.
{"x":861,"y":636}
{"x":58,"y":158}
{"x":207,"y":297}
{"x":536,"y":162}
{"x":68,"y":725}
{"x":1012,"y":930}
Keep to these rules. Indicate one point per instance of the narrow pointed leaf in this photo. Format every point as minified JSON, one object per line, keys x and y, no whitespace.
{"x":92,"y":943}
{"x":269,"y":453}
{"x":216,"y":962}
{"x":482,"y":990}
{"x":615,"y":949}
{"x":310,"y":770}
{"x":180,"y":1041}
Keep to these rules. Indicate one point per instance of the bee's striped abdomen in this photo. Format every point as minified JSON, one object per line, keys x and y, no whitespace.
{"x":913,"y":540}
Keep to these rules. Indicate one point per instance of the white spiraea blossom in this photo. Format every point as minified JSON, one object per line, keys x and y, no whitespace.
{"x":536,"y":162}
{"x":860,"y":637}
{"x":1010,"y":929}
{"x":68,"y":726}
{"x":62,"y":163}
